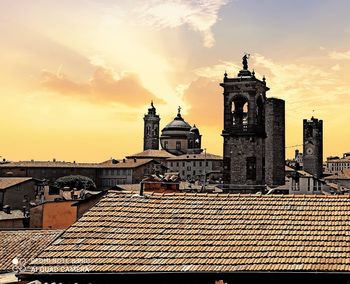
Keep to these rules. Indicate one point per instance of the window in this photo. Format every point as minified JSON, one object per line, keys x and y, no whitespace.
{"x":206,"y":164}
{"x":178,"y":145}
{"x":194,"y":163}
{"x":194,"y":173}
{"x":165,"y":144}
{"x":251,"y":168}
{"x":183,"y":164}
{"x":200,"y":163}
{"x":171,"y":164}
{"x":177,"y":164}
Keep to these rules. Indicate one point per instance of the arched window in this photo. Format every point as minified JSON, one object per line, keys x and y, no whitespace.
{"x":239,"y":110}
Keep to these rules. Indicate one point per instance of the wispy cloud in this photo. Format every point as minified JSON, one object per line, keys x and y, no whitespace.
{"x":199,"y":15}
{"x":340,"y":55}
{"x":104,"y":86}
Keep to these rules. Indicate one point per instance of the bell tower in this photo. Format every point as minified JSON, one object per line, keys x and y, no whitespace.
{"x":151,"y":129}
{"x":313,"y":146}
{"x":244,"y":131}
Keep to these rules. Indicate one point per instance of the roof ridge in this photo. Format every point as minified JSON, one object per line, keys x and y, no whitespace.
{"x":235,"y":195}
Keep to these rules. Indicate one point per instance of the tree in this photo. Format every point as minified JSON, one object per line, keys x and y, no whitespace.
{"x":75,"y":181}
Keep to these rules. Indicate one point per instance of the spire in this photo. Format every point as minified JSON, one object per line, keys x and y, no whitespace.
{"x":179,"y":117}
{"x":152,"y":109}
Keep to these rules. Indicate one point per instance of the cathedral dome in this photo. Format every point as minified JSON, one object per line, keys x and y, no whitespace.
{"x":175,"y":135}
{"x":177,"y":127}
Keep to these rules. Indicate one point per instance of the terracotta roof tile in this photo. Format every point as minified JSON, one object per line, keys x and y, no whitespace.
{"x":23,"y":245}
{"x":205,"y":232}
{"x":6,"y":182}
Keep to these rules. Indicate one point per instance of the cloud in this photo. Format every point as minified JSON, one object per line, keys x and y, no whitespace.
{"x":104,"y":86}
{"x":199,"y":15}
{"x":340,"y":55}
{"x":302,"y":86}
{"x":216,"y":72}
{"x":205,"y":98}
{"x":335,"y":67}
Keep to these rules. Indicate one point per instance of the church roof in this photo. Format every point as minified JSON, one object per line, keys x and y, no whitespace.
{"x":211,"y":233}
{"x":177,"y":124}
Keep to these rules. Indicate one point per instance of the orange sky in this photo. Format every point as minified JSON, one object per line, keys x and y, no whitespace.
{"x":76,"y":77}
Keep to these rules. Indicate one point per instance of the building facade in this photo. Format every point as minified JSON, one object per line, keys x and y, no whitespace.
{"x":151,"y":129}
{"x":17,"y":192}
{"x":336,"y":164}
{"x":194,"y":167}
{"x":105,"y":174}
{"x":301,"y":182}
{"x":313,"y":146}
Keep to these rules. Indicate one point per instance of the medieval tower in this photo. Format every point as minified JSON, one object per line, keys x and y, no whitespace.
{"x":275,"y":142}
{"x":151,"y":129}
{"x":244,"y":130}
{"x":313,"y":146}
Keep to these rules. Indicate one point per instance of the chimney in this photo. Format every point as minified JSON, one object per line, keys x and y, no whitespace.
{"x":7,"y":209}
{"x":134,"y":160}
{"x":296,"y":153}
{"x":73,"y":162}
{"x":123,"y":160}
{"x":54,"y":160}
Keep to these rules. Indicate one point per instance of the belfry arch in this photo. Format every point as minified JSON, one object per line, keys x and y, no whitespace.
{"x":239,"y":110}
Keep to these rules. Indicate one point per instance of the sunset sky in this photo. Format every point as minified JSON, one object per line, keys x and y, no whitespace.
{"x":76,"y":77}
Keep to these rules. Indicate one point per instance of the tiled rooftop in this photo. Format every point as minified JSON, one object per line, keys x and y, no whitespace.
{"x":23,"y":245}
{"x":152,"y":154}
{"x":205,"y":232}
{"x":129,"y":163}
{"x":201,"y":156}
{"x":14,"y":214}
{"x":6,"y":182}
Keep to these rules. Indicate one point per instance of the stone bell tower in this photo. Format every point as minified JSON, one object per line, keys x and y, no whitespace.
{"x":244,"y":131}
{"x":151,"y":129}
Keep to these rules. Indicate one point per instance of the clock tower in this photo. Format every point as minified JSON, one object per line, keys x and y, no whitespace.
{"x":313,"y":146}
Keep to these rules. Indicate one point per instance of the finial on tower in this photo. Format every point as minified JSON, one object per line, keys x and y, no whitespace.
{"x":152,"y":103}
{"x":225,"y":74}
{"x":179,"y":111}
{"x":245,"y":61}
